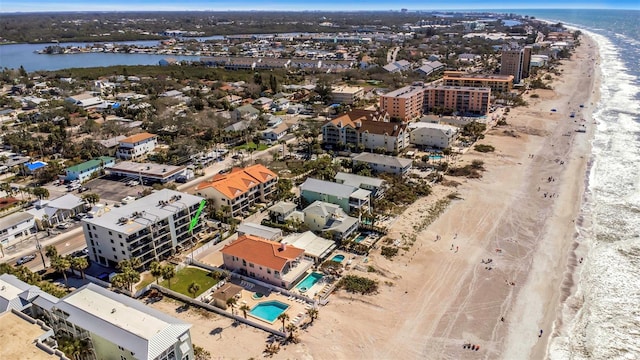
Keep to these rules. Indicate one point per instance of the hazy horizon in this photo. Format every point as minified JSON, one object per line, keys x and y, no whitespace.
{"x":35,"y":6}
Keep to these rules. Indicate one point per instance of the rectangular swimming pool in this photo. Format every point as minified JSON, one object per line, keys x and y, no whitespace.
{"x":309,"y":281}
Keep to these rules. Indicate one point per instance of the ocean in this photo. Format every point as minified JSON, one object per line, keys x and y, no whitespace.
{"x":601,"y":319}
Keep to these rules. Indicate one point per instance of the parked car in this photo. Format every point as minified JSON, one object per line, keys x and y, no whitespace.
{"x":25,"y":259}
{"x":80,"y":216}
{"x":62,"y":226}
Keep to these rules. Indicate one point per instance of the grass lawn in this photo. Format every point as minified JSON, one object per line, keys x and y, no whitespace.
{"x":252,"y":145}
{"x":180,"y":283}
{"x":145,"y":279}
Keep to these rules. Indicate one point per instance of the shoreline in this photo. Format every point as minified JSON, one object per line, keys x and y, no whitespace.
{"x":433,"y":300}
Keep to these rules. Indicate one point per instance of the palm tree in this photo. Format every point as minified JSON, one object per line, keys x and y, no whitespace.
{"x":313,"y":314}
{"x":156,"y":270}
{"x":291,"y":330}
{"x":80,"y":264}
{"x":118,"y":281}
{"x":168,"y":272}
{"x":61,"y":265}
{"x":231,"y":302}
{"x":283,"y":317}
{"x":244,"y":308}
{"x":51,"y":252}
{"x":131,"y":277}
{"x":91,"y":198}
{"x":193,"y":288}
{"x":40,"y":192}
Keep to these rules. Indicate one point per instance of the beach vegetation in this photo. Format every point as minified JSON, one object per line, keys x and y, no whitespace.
{"x":484,"y":148}
{"x":358,"y":284}
{"x":471,"y":171}
{"x":389,"y":251}
{"x":200,"y":353}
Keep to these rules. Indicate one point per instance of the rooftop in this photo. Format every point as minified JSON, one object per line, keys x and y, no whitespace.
{"x":137,"y":138}
{"x":18,"y":335}
{"x":270,"y":254}
{"x":144,"y":211}
{"x":90,"y":164}
{"x":383,"y":159}
{"x":327,"y":187}
{"x":238,"y":181}
{"x":146,"y":169}
{"x":358,"y":180}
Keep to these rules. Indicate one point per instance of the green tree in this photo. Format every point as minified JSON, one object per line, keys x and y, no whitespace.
{"x":193,"y":289}
{"x":231,"y":303}
{"x":312,"y":313}
{"x":40,"y":192}
{"x":244,"y":308}
{"x":291,"y":331}
{"x":80,"y":264}
{"x":200,"y":353}
{"x":156,"y":270}
{"x":51,"y":252}
{"x":61,"y":265}
{"x":283,"y":317}
{"x":168,"y":272}
{"x":91,"y":198}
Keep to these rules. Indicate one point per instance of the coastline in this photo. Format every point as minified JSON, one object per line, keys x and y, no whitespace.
{"x":433,"y":299}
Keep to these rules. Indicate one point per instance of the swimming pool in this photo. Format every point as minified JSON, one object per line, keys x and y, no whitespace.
{"x":338,"y":258}
{"x":360,"y":238}
{"x":435,"y":157}
{"x":32,"y":166}
{"x":309,"y":281}
{"x":268,"y":310}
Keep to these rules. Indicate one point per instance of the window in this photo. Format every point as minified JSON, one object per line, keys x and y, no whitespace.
{"x":110,"y":233}
{"x":113,"y":249}
{"x":112,"y":241}
{"x":120,"y":236}
{"x":121,"y":245}
{"x":123,"y":252}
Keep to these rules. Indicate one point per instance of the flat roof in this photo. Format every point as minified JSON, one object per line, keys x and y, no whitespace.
{"x":148,"y":208}
{"x":146,"y":169}
{"x":18,"y":336}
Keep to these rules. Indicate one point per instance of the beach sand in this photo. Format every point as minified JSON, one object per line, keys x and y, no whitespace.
{"x":432,"y":299}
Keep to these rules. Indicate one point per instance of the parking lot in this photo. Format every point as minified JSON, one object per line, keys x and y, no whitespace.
{"x":113,"y":189}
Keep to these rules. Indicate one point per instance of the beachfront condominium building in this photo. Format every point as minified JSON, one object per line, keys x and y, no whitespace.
{"x":326,"y":218}
{"x":234,"y":193}
{"x":384,"y":163}
{"x":136,"y":146}
{"x":497,"y":83}
{"x":368,"y":129}
{"x":405,"y":103}
{"x":346,"y":94}
{"x":151,"y":228}
{"x":430,"y":135}
{"x":351,"y":199}
{"x":515,"y":61}
{"x":114,"y":326}
{"x":461,"y":99}
{"x":269,"y":261}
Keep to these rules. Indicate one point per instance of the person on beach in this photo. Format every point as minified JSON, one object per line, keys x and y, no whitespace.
{"x":540,"y":335}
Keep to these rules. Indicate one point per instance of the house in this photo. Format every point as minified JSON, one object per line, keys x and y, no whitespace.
{"x":59,"y":210}
{"x":281,"y":104}
{"x":16,"y":226}
{"x":272,"y":262}
{"x":282,"y":211}
{"x":327,"y":218}
{"x":383,"y":163}
{"x":171,"y":93}
{"x":468,"y":58}
{"x":112,"y":142}
{"x":367,"y":129}
{"x":167,"y":62}
{"x":116,"y":326}
{"x":245,"y":112}
{"x":136,"y":146}
{"x":239,"y":190}
{"x":265,"y":232}
{"x":151,"y":228}
{"x":375,"y":185}
{"x":315,"y":247}
{"x":274,"y":121}
{"x":432,"y":135}
{"x":275,"y":133}
{"x":401,"y":65}
{"x":430,"y":67}
{"x":85,"y":100}
{"x":85,"y":170}
{"x":350,"y":198}
{"x":263,"y":103}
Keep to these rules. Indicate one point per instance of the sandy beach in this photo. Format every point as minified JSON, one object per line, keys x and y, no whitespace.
{"x":440,"y":295}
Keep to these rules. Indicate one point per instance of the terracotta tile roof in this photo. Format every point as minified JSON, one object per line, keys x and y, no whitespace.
{"x":366,"y":121}
{"x":270,"y":254}
{"x":137,"y":138}
{"x":238,"y":181}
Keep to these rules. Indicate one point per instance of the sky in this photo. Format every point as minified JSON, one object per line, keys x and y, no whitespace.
{"x":296,"y":5}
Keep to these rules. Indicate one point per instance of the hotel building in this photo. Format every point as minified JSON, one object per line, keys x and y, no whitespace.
{"x":497,"y":83}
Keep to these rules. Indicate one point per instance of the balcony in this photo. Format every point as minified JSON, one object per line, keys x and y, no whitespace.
{"x":295,"y":269}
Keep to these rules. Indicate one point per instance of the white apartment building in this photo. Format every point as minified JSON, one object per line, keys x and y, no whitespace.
{"x":16,"y":226}
{"x":151,"y":228}
{"x":432,"y":135}
{"x":346,"y":94}
{"x":136,"y":146}
{"x":116,"y":326}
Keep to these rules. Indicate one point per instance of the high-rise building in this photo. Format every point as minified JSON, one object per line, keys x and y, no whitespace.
{"x":516,"y":61}
{"x":151,"y":228}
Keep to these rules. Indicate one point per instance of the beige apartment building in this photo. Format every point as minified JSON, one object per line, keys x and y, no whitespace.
{"x":497,"y":83}
{"x":516,"y":62}
{"x":346,"y":94}
{"x":410,"y":102}
{"x":405,"y":103}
